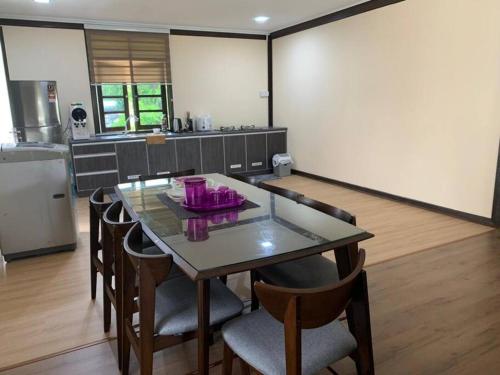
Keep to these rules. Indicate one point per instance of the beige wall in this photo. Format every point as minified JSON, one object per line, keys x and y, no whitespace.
{"x":221,"y":77}
{"x":404,"y":99}
{"x":51,"y":54}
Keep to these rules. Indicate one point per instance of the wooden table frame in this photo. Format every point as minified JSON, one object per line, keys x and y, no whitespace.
{"x":346,"y":253}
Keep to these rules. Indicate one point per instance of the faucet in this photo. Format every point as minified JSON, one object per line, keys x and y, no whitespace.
{"x":127,"y":122}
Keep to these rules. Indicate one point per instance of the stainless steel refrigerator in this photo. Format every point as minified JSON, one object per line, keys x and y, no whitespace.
{"x":35,"y":111}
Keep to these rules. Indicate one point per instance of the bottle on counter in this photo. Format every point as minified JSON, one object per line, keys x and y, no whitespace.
{"x":189,"y":122}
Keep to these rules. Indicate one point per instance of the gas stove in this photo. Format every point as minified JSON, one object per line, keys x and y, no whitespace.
{"x":236,"y":128}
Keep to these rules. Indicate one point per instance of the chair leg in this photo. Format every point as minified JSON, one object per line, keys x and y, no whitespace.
{"x":107,"y":277}
{"x":93,"y":277}
{"x":125,"y":354}
{"x":227,"y":362}
{"x":147,"y":363}
{"x":94,"y":245}
{"x":255,"y":300}
{"x":245,"y":368}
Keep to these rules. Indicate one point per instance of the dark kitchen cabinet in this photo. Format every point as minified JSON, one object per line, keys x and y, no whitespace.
{"x":256,"y":152}
{"x":235,"y":153}
{"x":95,"y":164}
{"x":276,"y":144}
{"x":188,"y":154}
{"x":89,"y":183}
{"x":162,"y":158}
{"x":212,"y":154}
{"x":132,"y":160}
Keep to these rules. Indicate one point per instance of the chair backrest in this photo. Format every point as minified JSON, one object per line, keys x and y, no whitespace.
{"x":307,"y":308}
{"x":97,"y":202}
{"x":117,"y":225}
{"x":290,"y":194}
{"x":187,"y":172}
{"x":147,"y":272}
{"x":328,"y":209}
{"x":158,"y":264}
{"x":252,"y":180}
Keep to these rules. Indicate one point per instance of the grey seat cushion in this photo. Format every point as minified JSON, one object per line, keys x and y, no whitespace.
{"x":176,"y":305}
{"x":309,"y":272}
{"x":259,"y":340}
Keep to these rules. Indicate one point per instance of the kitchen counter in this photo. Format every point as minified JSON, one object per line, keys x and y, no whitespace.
{"x":108,"y":159}
{"x":117,"y":137}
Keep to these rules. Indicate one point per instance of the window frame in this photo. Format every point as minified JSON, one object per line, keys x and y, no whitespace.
{"x":137,"y":110}
{"x":102,"y":113}
{"x":166,"y":103}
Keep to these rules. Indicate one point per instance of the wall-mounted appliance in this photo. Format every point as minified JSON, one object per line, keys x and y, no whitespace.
{"x":78,"y":121}
{"x":35,"y":111}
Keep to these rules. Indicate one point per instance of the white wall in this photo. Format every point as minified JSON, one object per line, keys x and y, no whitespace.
{"x":404,"y":99}
{"x":221,"y":77}
{"x":51,"y":54}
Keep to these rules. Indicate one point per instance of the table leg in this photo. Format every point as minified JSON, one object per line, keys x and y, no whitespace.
{"x":203,"y":326}
{"x":358,"y":312}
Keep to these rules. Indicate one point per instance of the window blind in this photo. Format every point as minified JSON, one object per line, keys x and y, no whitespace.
{"x":128,"y":57}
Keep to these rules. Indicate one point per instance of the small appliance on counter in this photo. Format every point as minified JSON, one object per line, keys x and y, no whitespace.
{"x":177,"y":125}
{"x":35,"y":111}
{"x":36,"y":201}
{"x":78,"y":121}
{"x":282,"y":165}
{"x":203,"y":123}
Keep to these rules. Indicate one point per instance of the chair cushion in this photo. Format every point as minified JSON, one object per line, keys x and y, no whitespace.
{"x":259,"y":340}
{"x":176,"y":305}
{"x":309,"y":272}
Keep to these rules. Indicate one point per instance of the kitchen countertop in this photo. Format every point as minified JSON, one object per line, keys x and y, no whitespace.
{"x":123,"y":137}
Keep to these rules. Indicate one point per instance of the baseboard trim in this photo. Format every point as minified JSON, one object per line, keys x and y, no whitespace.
{"x":432,"y":207}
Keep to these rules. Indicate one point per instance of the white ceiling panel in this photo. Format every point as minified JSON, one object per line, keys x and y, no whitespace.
{"x":230,"y":15}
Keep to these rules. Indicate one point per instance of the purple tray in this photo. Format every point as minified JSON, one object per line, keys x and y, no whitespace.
{"x":210,"y":207}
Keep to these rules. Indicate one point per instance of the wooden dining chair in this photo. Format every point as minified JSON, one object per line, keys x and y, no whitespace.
{"x":309,"y":272}
{"x":290,"y":194}
{"x":167,"y":307}
{"x":297,"y":331}
{"x":117,"y":223}
{"x":187,"y":172}
{"x":98,"y":203}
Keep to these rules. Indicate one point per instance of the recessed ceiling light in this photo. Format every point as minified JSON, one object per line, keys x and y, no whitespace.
{"x":42,"y":1}
{"x":261,"y":19}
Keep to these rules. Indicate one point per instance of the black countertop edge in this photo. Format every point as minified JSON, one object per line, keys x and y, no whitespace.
{"x":135,"y":136}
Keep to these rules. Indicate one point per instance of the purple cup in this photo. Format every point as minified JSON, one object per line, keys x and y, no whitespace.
{"x":232,"y":216}
{"x":215,"y":198}
{"x":217,"y":218}
{"x":197,"y":229}
{"x":231,"y":196}
{"x":195,"y":188}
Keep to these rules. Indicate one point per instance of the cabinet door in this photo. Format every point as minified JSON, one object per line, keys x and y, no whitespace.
{"x":212,"y":154}
{"x":132,"y":160}
{"x":94,"y":164}
{"x":235,"y":153}
{"x":162,"y":158}
{"x":256,"y":152}
{"x":188,"y":154}
{"x":276,"y":144}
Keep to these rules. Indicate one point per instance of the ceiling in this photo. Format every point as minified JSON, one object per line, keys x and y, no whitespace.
{"x":223,"y":15}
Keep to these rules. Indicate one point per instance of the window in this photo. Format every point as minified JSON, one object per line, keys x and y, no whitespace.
{"x":130,"y":76}
{"x":144,"y":104}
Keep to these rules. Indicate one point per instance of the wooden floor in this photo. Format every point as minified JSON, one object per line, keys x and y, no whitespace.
{"x":399,"y":229}
{"x":45,"y":305}
{"x":434,"y":312}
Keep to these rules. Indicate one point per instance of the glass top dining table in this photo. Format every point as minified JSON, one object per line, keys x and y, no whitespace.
{"x":273,"y":230}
